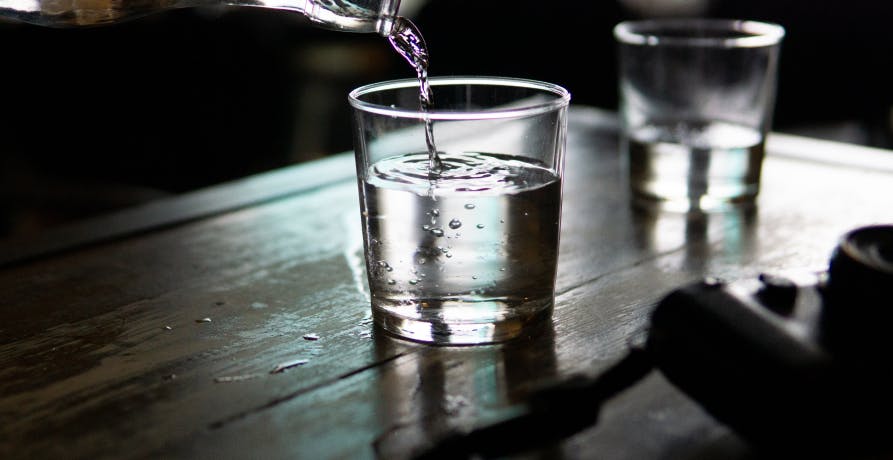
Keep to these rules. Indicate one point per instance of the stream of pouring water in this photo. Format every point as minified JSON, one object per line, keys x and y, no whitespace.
{"x":408,"y":41}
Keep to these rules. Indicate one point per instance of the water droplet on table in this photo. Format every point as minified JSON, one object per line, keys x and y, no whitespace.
{"x":288,"y":365}
{"x":235,"y":378}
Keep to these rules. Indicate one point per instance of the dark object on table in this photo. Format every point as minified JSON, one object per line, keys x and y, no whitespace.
{"x":791,"y":367}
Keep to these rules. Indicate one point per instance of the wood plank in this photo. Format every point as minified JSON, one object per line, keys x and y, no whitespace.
{"x":207,"y":202}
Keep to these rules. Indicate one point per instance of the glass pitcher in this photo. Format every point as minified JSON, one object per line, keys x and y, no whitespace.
{"x":364,"y":16}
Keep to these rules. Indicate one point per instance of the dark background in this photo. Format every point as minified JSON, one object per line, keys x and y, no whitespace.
{"x":97,"y":119}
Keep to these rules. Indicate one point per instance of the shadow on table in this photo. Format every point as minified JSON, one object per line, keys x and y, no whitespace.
{"x":434,"y":391}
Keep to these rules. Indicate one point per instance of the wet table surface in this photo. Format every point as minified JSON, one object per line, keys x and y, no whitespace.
{"x":232,"y":322}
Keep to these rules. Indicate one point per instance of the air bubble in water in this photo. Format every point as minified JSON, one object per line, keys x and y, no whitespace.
{"x":469,"y":206}
{"x":455,"y":223}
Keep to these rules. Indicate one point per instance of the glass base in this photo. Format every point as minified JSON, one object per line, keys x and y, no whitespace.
{"x":703,"y":203}
{"x":462,"y":323}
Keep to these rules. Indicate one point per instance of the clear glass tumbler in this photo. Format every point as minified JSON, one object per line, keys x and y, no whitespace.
{"x":461,"y":246}
{"x":696,"y":103}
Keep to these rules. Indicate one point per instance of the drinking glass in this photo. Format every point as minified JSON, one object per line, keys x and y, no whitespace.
{"x":696,"y":103}
{"x":461,"y":246}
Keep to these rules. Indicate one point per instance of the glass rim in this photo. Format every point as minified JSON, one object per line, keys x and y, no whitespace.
{"x":561,"y":98}
{"x":653,"y":32}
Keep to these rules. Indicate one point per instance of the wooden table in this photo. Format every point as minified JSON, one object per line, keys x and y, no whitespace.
{"x":161,"y":331}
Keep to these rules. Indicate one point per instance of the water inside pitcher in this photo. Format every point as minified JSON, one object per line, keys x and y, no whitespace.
{"x":363,"y":16}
